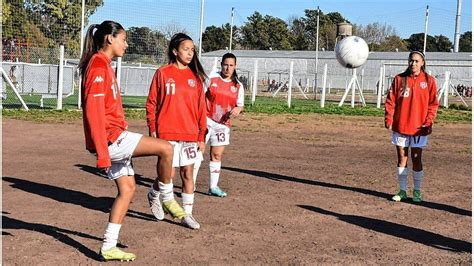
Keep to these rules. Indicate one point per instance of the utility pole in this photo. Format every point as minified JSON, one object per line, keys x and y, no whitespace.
{"x":458,"y":27}
{"x":231,"y":28}
{"x":426,"y":29}
{"x":317,"y":48}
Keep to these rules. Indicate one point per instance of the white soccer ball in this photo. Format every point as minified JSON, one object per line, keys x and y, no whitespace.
{"x":352,"y":52}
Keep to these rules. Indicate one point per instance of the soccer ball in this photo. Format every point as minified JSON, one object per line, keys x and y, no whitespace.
{"x":352,"y":52}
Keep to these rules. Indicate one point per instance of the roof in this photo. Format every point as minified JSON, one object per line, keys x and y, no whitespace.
{"x":438,"y":56}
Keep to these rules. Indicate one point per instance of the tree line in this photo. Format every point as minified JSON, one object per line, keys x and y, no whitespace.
{"x":47,"y":24}
{"x":264,"y":32}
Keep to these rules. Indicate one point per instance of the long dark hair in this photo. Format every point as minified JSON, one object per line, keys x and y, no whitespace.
{"x":95,"y":40}
{"x":234,"y":77}
{"x":195,"y":65}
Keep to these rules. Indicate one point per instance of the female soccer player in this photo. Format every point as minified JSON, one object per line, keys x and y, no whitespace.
{"x":176,"y":111}
{"x":410,"y":110}
{"x":106,"y":132}
{"x":225,"y":100}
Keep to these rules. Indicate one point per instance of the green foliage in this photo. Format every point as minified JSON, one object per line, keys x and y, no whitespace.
{"x":263,"y":33}
{"x":465,"y":42}
{"x":149,"y":45}
{"x":443,"y":44}
{"x":217,"y":38}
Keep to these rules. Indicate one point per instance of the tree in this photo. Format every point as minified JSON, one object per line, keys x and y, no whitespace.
{"x":216,"y":38}
{"x":264,"y":33}
{"x":298,"y":38}
{"x":327,"y":28}
{"x":443,"y":44}
{"x":465,"y":42}
{"x":146,"y":42}
{"x":415,"y":42}
{"x":391,"y":44}
{"x":374,"y":33}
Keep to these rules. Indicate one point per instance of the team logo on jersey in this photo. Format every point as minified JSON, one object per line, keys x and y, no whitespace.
{"x":233,"y":89}
{"x":192,"y":83}
{"x":98,"y":79}
{"x":214,"y":85}
{"x":170,"y":80}
{"x":423,"y":85}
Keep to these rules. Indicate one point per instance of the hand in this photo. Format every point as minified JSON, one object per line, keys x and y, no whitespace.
{"x":104,"y":170}
{"x":425,"y":130}
{"x":235,"y":112}
{"x":201,"y":146}
{"x":152,"y":134}
{"x":388,"y":126}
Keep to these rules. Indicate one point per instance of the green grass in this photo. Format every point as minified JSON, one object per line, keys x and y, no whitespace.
{"x":134,"y":109}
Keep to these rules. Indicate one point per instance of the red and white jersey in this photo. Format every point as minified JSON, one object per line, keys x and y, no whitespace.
{"x":222,"y":96}
{"x":176,"y":105}
{"x":103,"y":115}
{"x":411,"y":105}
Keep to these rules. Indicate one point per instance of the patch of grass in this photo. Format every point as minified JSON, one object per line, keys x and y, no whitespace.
{"x":266,"y":105}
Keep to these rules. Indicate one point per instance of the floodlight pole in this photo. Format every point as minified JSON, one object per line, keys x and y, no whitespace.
{"x":457,"y":28}
{"x":200,"y":28}
{"x":231,"y":28}
{"x":426,"y":28}
{"x":317,"y":48}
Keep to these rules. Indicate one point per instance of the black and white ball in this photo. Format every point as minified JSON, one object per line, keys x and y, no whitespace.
{"x":352,"y":52}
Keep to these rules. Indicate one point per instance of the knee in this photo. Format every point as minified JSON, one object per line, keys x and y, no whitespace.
{"x":167,"y":151}
{"x":128,"y":190}
{"x":216,"y":157}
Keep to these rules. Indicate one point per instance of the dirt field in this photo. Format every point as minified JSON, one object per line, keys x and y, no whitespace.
{"x":303,"y":189}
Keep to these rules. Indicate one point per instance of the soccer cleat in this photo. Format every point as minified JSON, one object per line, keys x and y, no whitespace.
{"x":155,"y":206}
{"x":174,"y":209}
{"x":417,"y":196}
{"x":216,"y":191}
{"x":190,"y":222}
{"x":116,"y":254}
{"x":401,"y":195}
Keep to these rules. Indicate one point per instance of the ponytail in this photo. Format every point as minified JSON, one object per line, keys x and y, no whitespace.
{"x":95,"y":40}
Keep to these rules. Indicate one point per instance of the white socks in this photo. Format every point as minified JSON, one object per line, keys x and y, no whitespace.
{"x":166,"y":191}
{"x":417,"y":178}
{"x":111,"y":236}
{"x":188,"y":202}
{"x":214,"y":172}
{"x":402,"y":174}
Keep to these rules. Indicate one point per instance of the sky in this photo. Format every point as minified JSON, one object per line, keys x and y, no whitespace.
{"x":405,"y":16}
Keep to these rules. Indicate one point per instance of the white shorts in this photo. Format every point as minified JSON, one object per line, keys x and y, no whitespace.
{"x":121,"y":152}
{"x":218,"y":134}
{"x":184,"y":153}
{"x":409,"y":141}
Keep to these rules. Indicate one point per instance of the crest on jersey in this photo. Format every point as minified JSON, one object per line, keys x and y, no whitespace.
{"x":214,"y":85}
{"x":233,"y":89}
{"x":192,"y":83}
{"x":423,"y":85}
{"x":170,"y":80}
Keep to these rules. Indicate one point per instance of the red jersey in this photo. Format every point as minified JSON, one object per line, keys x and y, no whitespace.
{"x":176,"y":107}
{"x":411,"y":103}
{"x":104,"y":119}
{"x":222,"y":96}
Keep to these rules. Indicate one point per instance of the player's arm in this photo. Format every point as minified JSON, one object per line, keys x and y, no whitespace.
{"x":95,"y":85}
{"x":240,"y":102}
{"x":201,"y":119}
{"x":390,"y":102}
{"x":433,"y":104}
{"x":152,"y":103}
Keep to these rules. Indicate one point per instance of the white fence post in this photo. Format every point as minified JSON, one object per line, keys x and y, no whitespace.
{"x":118,"y":71}
{"x":255,"y":79}
{"x":60,"y":78}
{"x":290,"y":83}
{"x":379,"y":88}
{"x":323,"y":93}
